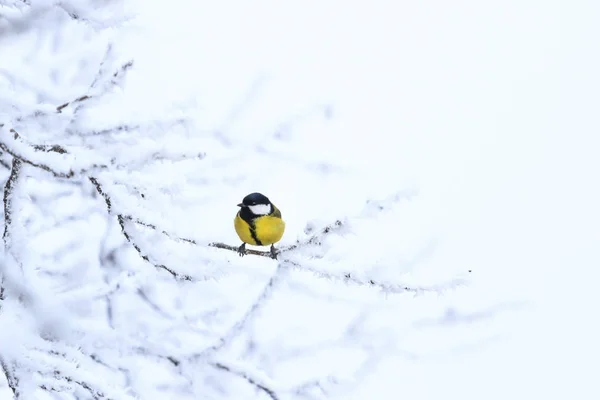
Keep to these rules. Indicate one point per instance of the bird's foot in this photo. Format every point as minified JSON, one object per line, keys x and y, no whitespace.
{"x":273,"y":252}
{"x":242,"y":250}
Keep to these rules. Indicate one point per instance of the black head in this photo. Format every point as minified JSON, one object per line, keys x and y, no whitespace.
{"x":254,"y":199}
{"x":255,"y":205}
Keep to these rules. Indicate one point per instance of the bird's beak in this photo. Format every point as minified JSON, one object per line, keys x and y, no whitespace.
{"x":241,"y":205}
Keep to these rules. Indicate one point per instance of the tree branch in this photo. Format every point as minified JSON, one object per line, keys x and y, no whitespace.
{"x":241,"y":323}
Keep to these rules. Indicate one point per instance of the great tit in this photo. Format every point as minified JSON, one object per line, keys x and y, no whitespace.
{"x":258,"y":222}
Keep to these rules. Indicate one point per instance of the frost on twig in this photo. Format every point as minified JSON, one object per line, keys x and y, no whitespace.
{"x":123,"y":220}
{"x":316,"y":238}
{"x":68,"y":103}
{"x":3,"y":163}
{"x":28,"y":156}
{"x":11,"y":379}
{"x":226,"y":338}
{"x":263,"y":387}
{"x":8,"y":198}
{"x":384,"y":287}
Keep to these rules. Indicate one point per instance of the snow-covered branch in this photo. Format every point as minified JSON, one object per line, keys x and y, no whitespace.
{"x":117,"y":282}
{"x":31,"y":157}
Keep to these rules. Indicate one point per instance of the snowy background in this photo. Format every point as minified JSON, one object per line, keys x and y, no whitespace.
{"x":457,"y":144}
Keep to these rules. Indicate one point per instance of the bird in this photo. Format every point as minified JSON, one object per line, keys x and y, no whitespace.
{"x":258,"y":222}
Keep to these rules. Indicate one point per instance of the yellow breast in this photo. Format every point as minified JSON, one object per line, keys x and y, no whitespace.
{"x":264,"y":230}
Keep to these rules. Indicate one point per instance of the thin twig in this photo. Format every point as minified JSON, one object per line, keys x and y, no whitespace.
{"x":154,"y":227}
{"x":265,"y":294}
{"x":77,"y":100}
{"x":120,"y":73}
{"x":11,"y":378}
{"x":100,"y":79}
{"x":4,"y":163}
{"x":315,"y":239}
{"x":384,"y":287}
{"x":234,"y":248}
{"x":8,"y":197}
{"x":115,"y":129}
{"x":46,"y":168}
{"x":50,"y":148}
{"x":116,"y":77}
{"x":260,"y":386}
{"x":47,"y":149}
{"x":95,"y":393}
{"x":144,"y":256}
{"x":122,"y":223}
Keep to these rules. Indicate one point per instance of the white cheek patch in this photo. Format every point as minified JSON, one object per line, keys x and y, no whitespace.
{"x":260,"y":209}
